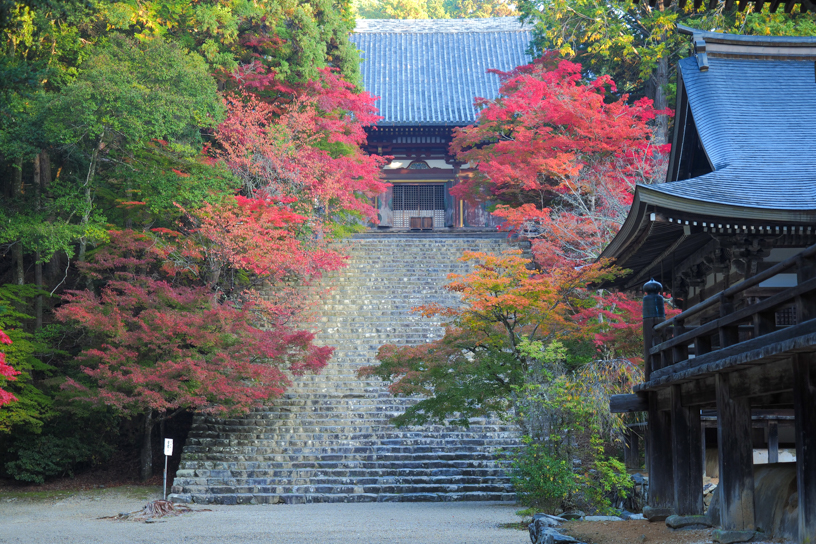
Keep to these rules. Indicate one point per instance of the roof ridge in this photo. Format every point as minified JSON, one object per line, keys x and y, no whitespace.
{"x":440,"y":26}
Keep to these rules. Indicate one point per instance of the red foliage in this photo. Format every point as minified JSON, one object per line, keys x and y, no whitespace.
{"x":564,"y":158}
{"x":260,"y":235}
{"x":306,"y":147}
{"x":161,"y":343}
{"x":6,"y":372}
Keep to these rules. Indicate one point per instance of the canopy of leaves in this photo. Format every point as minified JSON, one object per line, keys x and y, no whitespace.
{"x":561,"y":158}
{"x":160,"y":343}
{"x":433,"y":9}
{"x":482,"y":358}
{"x":626,"y":39}
{"x":20,"y":363}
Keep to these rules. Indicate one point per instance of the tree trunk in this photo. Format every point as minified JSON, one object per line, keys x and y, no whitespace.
{"x":38,"y":267}
{"x":83,"y":241}
{"x":147,"y":447}
{"x":17,"y":248}
{"x":656,"y":90}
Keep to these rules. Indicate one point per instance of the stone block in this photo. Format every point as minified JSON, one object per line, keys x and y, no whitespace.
{"x":687,"y":522}
{"x":730,"y":537}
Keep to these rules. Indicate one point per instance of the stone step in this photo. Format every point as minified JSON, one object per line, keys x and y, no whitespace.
{"x":274,"y":498}
{"x":329,"y":439}
{"x":484,"y":487}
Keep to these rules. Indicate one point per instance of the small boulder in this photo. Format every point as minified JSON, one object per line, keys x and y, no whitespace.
{"x":656,"y":514}
{"x":687,"y":522}
{"x":548,"y":520}
{"x":540,"y":533}
{"x":573,"y":514}
{"x":602,"y":518}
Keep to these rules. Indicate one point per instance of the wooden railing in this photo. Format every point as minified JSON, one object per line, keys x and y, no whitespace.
{"x":676,"y":347}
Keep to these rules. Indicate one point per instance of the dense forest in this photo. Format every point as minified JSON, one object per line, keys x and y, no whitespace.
{"x":169,"y":172}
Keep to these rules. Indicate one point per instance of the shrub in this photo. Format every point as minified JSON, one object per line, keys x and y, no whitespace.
{"x":40,"y":457}
{"x":541,"y":480}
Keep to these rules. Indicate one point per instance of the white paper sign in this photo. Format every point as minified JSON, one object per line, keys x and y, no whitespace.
{"x":168,"y":446}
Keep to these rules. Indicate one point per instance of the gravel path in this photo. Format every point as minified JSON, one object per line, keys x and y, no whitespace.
{"x":73,"y":519}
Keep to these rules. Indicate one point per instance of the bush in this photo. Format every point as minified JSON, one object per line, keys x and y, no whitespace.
{"x":541,"y":480}
{"x":40,"y":457}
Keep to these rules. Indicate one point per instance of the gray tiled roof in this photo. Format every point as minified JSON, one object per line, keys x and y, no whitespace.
{"x":428,"y":72}
{"x":757,"y":123}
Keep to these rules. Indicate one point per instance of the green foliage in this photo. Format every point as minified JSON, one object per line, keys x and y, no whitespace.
{"x":433,"y":9}
{"x":41,"y":457}
{"x":542,"y":480}
{"x":565,"y":413}
{"x":75,"y":438}
{"x":294,"y":38}
{"x":33,"y":405}
{"x":129,"y":93}
{"x":626,"y":39}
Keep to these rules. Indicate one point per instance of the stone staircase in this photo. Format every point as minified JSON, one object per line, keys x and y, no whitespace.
{"x":329,"y":439}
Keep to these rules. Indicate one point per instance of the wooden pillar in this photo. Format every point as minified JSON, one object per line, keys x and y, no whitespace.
{"x":661,"y":465}
{"x":736,"y":459}
{"x":804,"y":405}
{"x":687,"y":461}
{"x":773,"y":442}
{"x":648,"y":341}
{"x":631,"y":449}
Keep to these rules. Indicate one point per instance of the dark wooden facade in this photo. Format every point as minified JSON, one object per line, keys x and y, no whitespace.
{"x":731,"y":236}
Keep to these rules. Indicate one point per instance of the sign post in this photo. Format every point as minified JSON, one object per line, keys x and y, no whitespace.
{"x":168,"y":451}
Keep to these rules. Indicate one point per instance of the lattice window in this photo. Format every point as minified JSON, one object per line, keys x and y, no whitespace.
{"x":786,"y":317}
{"x":418,"y":201}
{"x":418,"y":165}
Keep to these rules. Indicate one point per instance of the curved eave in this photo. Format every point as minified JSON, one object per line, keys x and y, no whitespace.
{"x":629,"y":229}
{"x":650,"y":195}
{"x":742,"y":39}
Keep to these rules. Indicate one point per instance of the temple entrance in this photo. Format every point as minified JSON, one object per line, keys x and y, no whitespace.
{"x":419,"y":206}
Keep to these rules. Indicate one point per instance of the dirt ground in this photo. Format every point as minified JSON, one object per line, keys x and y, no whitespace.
{"x":637,"y":532}
{"x":632,"y":532}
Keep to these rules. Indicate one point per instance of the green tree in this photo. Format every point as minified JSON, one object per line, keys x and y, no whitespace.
{"x":638,"y":45}
{"x":128,"y":95}
{"x":433,"y":9}
{"x":292,"y":38}
{"x":33,"y":405}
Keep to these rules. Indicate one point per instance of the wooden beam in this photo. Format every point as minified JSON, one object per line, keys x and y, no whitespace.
{"x":648,"y":341}
{"x":804,"y":392}
{"x":687,"y":460}
{"x":621,"y":404}
{"x":631,"y":449}
{"x":762,"y":380}
{"x":661,"y":479}
{"x":774,"y":400}
{"x":756,"y":381}
{"x":773,"y":442}
{"x":771,"y":349}
{"x":730,"y":317}
{"x":735,"y":452}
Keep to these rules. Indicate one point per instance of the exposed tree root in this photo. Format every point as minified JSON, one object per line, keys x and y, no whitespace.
{"x":154,"y":510}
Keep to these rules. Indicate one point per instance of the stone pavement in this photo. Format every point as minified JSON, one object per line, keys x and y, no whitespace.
{"x":74,"y":520}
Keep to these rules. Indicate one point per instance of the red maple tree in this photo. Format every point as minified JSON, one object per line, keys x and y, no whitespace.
{"x":161,"y":342}
{"x":6,"y":372}
{"x":305,"y":145}
{"x":560,"y":158}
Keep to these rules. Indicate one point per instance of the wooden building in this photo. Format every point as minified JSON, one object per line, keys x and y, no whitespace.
{"x":731,"y":237}
{"x":427,"y":74}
